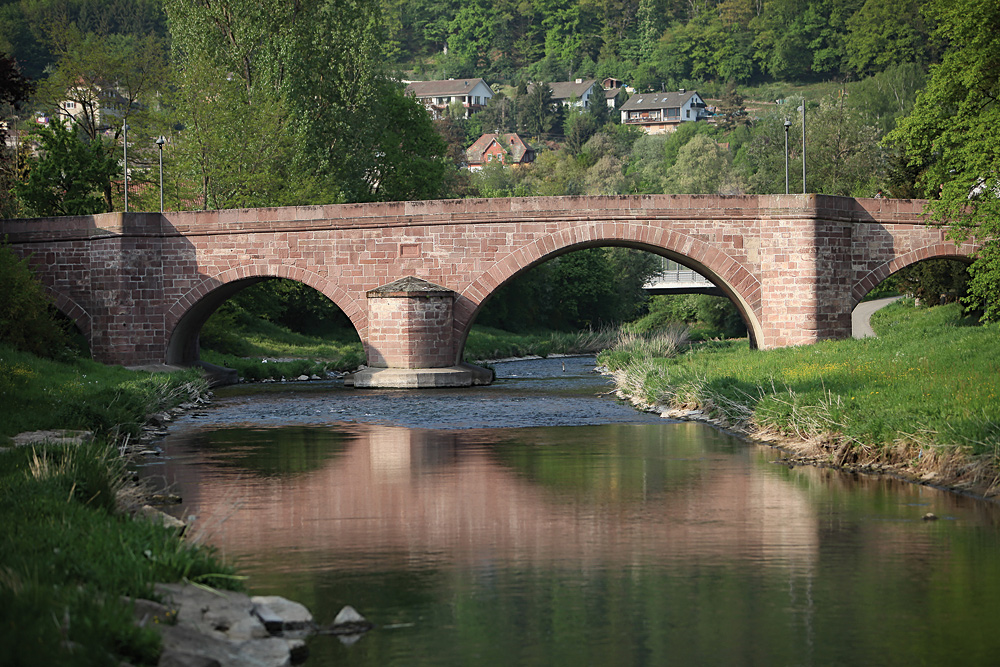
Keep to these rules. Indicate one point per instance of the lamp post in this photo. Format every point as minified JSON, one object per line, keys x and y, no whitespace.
{"x":788,"y":124}
{"x":803,"y":110}
{"x":160,"y":140}
{"x":125,"y":143}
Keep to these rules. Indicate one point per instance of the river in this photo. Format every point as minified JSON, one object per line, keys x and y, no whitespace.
{"x":538,"y":521}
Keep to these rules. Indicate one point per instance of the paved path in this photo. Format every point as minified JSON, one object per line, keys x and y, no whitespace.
{"x":861,"y":317}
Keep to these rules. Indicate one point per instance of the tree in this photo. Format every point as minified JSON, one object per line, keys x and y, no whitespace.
{"x":703,"y":167}
{"x":885,"y":33}
{"x":951,"y":136}
{"x":537,"y":113}
{"x":69,"y":175}
{"x":290,"y":103}
{"x":14,"y":90}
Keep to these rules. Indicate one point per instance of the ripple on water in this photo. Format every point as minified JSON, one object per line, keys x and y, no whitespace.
{"x":544,"y":392}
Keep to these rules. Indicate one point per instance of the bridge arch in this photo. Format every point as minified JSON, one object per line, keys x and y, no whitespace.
{"x":941,"y":250}
{"x":74,"y":311}
{"x":735,"y":280}
{"x":187,"y":315}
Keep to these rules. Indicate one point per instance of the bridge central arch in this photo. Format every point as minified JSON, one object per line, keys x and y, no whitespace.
{"x":735,"y":280}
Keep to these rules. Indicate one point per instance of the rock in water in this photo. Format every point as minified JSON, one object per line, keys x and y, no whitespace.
{"x":350,"y":623}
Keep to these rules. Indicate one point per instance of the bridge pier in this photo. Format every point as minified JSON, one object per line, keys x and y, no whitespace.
{"x":411,"y":339}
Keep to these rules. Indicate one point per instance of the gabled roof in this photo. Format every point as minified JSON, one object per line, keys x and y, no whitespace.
{"x":512,"y":144}
{"x":443,"y":88}
{"x":564,"y":90}
{"x":641,"y":101}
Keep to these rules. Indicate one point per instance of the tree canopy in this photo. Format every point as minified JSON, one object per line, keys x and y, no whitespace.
{"x":951,"y":137}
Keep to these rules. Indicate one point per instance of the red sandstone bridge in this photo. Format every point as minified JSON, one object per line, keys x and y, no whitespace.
{"x":141,"y":285}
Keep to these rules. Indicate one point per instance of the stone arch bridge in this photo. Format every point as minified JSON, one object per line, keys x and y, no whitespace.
{"x":140,"y":285}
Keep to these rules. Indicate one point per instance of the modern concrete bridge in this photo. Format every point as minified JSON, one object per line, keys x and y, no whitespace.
{"x":140,"y":285}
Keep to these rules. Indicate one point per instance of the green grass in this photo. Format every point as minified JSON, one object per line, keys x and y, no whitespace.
{"x":929,"y":378}
{"x":68,"y":555}
{"x":68,"y":552}
{"x":40,"y":394}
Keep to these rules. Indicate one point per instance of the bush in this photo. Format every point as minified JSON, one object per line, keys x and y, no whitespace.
{"x":27,"y":318}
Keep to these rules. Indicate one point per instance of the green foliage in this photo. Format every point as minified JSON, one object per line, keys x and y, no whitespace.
{"x":708,"y":316}
{"x":934,"y":281}
{"x":70,"y":175}
{"x":589,"y":288}
{"x":27,"y":321}
{"x":950,"y":138}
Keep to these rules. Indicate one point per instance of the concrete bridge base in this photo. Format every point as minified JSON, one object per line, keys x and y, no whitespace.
{"x":463,"y":375}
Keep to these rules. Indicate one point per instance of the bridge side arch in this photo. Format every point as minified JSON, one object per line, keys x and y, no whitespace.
{"x":73,"y":310}
{"x":735,"y":280}
{"x":187,"y":314}
{"x":941,"y":250}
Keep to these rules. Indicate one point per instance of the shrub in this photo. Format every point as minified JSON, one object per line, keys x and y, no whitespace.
{"x":27,"y":320}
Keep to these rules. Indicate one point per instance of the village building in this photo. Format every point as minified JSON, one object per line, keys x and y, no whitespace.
{"x":580,"y":93}
{"x":660,"y":113}
{"x":439,"y":96}
{"x":507,"y":149}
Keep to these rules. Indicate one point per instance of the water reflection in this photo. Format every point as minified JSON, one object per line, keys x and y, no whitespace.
{"x":630,"y":542}
{"x":466,"y":496}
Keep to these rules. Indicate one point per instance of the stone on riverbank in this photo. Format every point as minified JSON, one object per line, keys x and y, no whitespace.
{"x":53,"y":437}
{"x":215,"y":627}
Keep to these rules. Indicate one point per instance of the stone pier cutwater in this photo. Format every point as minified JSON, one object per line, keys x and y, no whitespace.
{"x":411,"y":339}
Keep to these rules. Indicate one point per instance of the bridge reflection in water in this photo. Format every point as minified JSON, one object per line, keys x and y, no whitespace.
{"x":466,"y":496}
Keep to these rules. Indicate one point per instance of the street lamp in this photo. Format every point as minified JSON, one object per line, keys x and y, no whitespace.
{"x":160,"y":140}
{"x":125,"y":143}
{"x":788,"y":124}
{"x":803,"y":110}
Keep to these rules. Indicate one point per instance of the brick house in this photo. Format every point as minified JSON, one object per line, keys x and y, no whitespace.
{"x":507,"y":149}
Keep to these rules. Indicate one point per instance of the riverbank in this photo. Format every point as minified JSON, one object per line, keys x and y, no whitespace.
{"x":77,"y":545}
{"x":920,"y":401}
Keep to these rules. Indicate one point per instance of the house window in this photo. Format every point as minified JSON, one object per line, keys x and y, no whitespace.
{"x":674,"y":113}
{"x":71,"y":105}
{"x":687,"y":113}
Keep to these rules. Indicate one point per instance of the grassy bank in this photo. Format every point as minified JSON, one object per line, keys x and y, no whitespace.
{"x":70,"y":549}
{"x":924,"y":396}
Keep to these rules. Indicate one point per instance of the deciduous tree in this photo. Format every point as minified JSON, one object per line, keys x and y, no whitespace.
{"x":951,"y":135}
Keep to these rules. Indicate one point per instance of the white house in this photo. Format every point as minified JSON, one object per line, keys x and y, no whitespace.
{"x":577,"y":93}
{"x":438,"y":96}
{"x":659,"y":113}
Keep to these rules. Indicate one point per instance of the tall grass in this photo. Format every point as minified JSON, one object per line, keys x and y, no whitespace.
{"x":930,"y":378}
{"x":487,"y":343}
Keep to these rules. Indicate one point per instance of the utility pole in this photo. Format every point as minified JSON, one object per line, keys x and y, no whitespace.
{"x":788,"y":124}
{"x":125,"y":142}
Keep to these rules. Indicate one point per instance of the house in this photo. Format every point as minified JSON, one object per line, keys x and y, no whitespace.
{"x":577,"y":93}
{"x":507,"y":149}
{"x":438,"y":96}
{"x":659,"y":113}
{"x":94,"y":103}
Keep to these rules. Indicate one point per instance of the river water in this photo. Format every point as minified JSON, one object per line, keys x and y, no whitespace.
{"x":538,"y":522}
